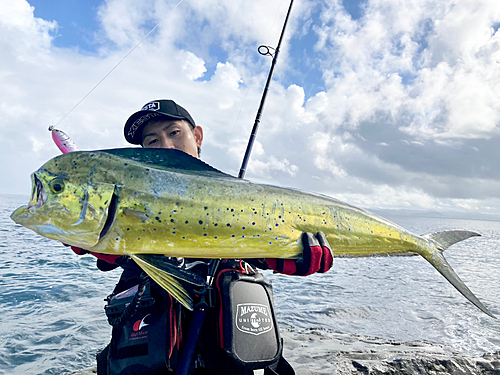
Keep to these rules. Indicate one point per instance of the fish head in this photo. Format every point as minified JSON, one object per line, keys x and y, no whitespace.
{"x":68,"y":207}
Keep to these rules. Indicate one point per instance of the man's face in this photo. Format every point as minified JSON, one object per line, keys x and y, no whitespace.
{"x":177,"y":134}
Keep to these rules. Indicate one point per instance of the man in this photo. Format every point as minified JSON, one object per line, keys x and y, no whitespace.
{"x":165,"y":124}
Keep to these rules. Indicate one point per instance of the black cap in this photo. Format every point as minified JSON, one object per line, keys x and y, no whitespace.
{"x":152,"y":110}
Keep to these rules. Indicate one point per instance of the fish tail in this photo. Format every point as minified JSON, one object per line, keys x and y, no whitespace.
{"x":166,"y":281}
{"x":441,"y":241}
{"x":450,"y":237}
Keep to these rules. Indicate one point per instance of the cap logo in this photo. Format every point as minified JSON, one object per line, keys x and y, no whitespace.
{"x":141,"y":121}
{"x":151,"y":106}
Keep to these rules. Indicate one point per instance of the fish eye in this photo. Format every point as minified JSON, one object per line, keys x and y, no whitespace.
{"x":57,"y":185}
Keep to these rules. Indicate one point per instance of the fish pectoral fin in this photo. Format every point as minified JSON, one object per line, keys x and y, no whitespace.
{"x":170,"y":266}
{"x":165,"y":280}
{"x":143,"y":216}
{"x":437,"y":259}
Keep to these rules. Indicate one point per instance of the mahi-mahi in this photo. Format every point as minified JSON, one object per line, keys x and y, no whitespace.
{"x":139,"y":202}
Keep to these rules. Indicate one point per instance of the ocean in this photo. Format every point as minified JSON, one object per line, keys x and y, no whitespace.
{"x":52,"y":301}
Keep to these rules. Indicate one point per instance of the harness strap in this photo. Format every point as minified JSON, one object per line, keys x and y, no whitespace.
{"x":131,"y":309}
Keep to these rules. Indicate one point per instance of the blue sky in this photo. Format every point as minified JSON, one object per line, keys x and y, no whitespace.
{"x":78,"y":25}
{"x":382,"y":104}
{"x":76,"y":19}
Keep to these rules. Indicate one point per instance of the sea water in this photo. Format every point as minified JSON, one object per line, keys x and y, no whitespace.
{"x":52,"y":319}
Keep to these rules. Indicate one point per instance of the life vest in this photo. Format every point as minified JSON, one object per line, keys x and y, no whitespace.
{"x":239,"y":333}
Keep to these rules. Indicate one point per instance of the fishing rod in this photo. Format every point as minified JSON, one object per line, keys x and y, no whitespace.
{"x":199,"y":312}
{"x":265,"y":51}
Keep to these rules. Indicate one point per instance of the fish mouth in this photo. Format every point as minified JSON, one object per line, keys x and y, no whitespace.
{"x":111,"y":215}
{"x":38,"y":194}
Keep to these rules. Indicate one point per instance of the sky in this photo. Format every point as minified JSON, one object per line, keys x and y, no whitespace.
{"x":383,"y":104}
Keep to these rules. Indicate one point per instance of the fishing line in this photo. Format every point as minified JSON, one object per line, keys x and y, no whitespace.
{"x":274,"y":21}
{"x":248,"y":88}
{"x":119,"y":62}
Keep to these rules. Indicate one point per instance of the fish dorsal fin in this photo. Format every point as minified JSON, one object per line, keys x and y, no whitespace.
{"x":167,"y":159}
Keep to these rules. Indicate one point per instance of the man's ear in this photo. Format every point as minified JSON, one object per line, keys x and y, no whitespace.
{"x":198,"y":135}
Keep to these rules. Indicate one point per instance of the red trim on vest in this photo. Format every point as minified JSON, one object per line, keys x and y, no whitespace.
{"x":220,"y":331}
{"x":173,"y":328}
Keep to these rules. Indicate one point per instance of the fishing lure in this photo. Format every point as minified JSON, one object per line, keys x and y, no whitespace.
{"x":63,"y":141}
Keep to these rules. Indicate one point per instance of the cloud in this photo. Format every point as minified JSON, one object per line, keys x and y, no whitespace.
{"x":411,"y":89}
{"x":191,"y":65}
{"x":424,"y":58}
{"x":396,"y":106}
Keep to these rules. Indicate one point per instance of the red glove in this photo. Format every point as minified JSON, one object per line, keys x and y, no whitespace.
{"x":316,"y":257}
{"x":105,"y":257}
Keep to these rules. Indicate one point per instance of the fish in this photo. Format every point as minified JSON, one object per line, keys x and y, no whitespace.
{"x":148,"y":202}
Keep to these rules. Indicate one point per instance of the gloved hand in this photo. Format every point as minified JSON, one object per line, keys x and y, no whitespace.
{"x":316,"y":257}
{"x":78,"y":250}
{"x":105,"y":262}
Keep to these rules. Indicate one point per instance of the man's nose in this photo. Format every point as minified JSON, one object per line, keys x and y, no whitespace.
{"x":165,"y":142}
